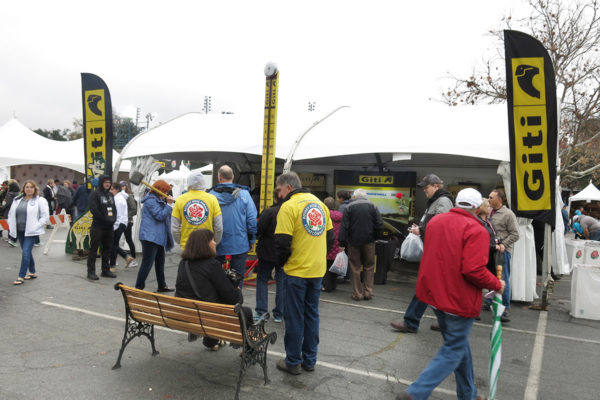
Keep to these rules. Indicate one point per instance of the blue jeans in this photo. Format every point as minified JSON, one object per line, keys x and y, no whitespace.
{"x":152,"y":253}
{"x":27,"y":262}
{"x":301,"y":312}
{"x":454,"y":356}
{"x":506,"y":278}
{"x":414,"y":313}
{"x":237,"y":263}
{"x":595,"y":235}
{"x":263,"y":274}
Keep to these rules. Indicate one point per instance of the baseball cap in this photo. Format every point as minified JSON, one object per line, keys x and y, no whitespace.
{"x":430,"y":179}
{"x":468,"y":198}
{"x":577,"y":212}
{"x":577,"y":217}
{"x":123,"y":183}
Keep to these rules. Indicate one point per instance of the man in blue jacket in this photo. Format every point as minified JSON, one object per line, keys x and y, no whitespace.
{"x":239,"y":220}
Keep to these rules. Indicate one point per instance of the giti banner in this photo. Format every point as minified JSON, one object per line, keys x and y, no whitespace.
{"x":97,"y":127}
{"x":267,"y":171}
{"x":532,"y":126}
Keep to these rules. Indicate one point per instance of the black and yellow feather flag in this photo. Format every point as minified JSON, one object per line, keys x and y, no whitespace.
{"x":532,"y":126}
{"x":97,"y":127}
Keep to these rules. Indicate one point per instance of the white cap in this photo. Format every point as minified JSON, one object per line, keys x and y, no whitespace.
{"x":468,"y":198}
{"x":195,"y":180}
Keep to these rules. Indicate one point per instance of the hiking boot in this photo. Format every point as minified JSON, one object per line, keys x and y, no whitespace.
{"x":401,"y":327}
{"x":92,"y":276}
{"x":108,"y":274}
{"x":307,"y":368}
{"x":290,"y":369}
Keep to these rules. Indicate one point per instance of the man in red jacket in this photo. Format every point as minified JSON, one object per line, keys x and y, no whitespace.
{"x":451,"y":277}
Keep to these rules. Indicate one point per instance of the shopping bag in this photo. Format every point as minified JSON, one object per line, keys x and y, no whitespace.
{"x":412,"y":248}
{"x":340,"y":264}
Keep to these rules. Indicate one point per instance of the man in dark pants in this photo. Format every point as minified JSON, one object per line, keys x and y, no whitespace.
{"x":361,"y":226}
{"x":104,"y":213}
{"x":439,"y":201}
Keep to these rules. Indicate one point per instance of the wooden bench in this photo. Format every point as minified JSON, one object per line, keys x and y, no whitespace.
{"x":145,"y":309}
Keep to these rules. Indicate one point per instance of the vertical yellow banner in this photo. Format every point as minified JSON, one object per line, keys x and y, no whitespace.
{"x":267,"y":174}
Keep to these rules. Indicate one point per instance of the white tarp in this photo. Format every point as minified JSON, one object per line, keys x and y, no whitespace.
{"x":474,"y":131}
{"x":22,"y":146}
{"x":590,"y":193}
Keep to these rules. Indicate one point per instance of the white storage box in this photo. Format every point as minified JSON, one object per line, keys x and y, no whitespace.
{"x":592,"y":253}
{"x":575,"y":251}
{"x":585,"y":292}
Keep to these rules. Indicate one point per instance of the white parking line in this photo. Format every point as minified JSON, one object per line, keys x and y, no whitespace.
{"x":355,"y":371}
{"x":535,"y":368}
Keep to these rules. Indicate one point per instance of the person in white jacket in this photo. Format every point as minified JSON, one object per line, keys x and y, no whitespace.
{"x":120,"y":225}
{"x":27,"y":219}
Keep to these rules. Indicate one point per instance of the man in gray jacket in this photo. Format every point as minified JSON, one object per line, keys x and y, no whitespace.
{"x":439,"y":201}
{"x":507,"y":233}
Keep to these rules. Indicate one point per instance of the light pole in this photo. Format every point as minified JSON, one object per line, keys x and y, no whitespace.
{"x":288,"y":162}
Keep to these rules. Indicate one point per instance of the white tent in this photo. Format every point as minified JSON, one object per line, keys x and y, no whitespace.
{"x":590,"y":193}
{"x":477,"y":131}
{"x":20,"y":146}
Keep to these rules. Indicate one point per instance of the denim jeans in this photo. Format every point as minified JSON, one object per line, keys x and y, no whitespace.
{"x":414,"y":313}
{"x":152,"y":253}
{"x":595,"y":235}
{"x":454,"y":356}
{"x":506,"y":278}
{"x":301,"y":313}
{"x":237,"y":263}
{"x":263,"y":274}
{"x":27,"y":262}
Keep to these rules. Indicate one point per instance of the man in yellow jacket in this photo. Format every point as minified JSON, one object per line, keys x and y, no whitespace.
{"x":303,"y":236}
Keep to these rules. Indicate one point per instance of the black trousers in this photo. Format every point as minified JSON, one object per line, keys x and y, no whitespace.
{"x":129,"y":239}
{"x":100,"y":236}
{"x":115,"y":245}
{"x":330,"y":279}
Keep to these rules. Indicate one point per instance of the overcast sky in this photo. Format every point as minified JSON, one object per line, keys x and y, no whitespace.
{"x":164,"y":57}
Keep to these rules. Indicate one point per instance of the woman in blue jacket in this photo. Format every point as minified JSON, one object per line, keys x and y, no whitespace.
{"x":155,"y":235}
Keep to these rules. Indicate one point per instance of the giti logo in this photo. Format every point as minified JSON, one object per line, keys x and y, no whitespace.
{"x":525,"y":74}
{"x":373,"y":179}
{"x":532,"y":173}
{"x":93,"y":100}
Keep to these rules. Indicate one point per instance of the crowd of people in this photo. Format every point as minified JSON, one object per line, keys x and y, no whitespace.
{"x":298,"y":239}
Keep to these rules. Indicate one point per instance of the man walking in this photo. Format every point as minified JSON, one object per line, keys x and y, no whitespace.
{"x":303,"y":236}
{"x":361,"y":226}
{"x":439,"y":201}
{"x":48,"y":193}
{"x":451,"y":276}
{"x":196,"y":209}
{"x":507,"y":233}
{"x":239,"y":220}
{"x":104,"y":213}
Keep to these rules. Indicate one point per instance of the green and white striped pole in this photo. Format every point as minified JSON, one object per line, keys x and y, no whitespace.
{"x":496,"y":339}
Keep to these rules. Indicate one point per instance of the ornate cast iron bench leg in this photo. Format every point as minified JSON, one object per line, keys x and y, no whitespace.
{"x":135,"y":329}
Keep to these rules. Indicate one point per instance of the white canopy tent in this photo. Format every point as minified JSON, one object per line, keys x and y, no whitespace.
{"x":21,"y":146}
{"x":477,"y":131}
{"x":590,"y":193}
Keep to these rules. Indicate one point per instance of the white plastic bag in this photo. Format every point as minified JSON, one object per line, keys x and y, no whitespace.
{"x":412,"y":248}
{"x":340,"y":264}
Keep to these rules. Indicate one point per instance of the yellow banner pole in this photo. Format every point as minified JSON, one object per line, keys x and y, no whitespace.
{"x":267,"y":173}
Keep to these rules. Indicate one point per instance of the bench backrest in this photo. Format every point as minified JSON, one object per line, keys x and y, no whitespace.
{"x":219,"y":321}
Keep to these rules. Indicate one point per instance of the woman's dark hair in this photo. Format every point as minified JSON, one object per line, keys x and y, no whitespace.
{"x":198,"y":245}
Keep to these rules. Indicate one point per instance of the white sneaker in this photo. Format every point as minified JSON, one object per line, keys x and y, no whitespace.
{"x":38,"y":244}
{"x":133,"y":264}
{"x":12,"y":243}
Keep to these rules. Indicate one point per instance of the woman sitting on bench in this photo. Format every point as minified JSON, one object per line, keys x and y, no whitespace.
{"x":201,"y":277}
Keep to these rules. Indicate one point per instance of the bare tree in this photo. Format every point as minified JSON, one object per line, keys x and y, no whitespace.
{"x":571,"y":34}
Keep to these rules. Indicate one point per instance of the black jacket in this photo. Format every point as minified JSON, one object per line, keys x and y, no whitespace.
{"x":102,"y":206}
{"x":212,"y":284}
{"x":361,"y":224}
{"x":265,"y":230}
{"x":13,"y":191}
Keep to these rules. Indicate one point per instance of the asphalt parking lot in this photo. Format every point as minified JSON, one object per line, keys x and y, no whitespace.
{"x":61,"y":334}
